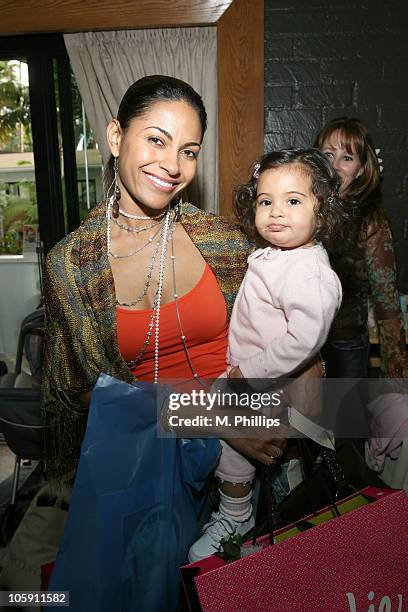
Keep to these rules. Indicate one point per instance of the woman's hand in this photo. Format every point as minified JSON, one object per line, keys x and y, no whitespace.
{"x":266,"y":451}
{"x":85,"y":398}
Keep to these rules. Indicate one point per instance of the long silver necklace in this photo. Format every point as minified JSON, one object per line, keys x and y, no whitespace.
{"x":139,"y":250}
{"x":154,"y":322}
{"x":167,"y":232}
{"x":175,"y":295}
{"x":148,"y":281}
{"x":151,"y":265}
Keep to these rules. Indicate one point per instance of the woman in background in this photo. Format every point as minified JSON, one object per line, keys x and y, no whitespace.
{"x":366,"y":263}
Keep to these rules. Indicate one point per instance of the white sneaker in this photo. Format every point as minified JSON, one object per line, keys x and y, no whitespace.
{"x":219,"y":527}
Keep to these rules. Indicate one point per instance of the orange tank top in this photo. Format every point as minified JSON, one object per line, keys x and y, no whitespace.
{"x":203,"y":317}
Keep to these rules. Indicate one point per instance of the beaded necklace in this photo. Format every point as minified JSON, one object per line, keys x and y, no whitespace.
{"x":149,"y":241}
{"x":140,"y":217}
{"x":166,"y":234}
{"x":133,"y":230}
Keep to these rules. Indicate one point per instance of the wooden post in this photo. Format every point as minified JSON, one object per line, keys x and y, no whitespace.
{"x":240,"y":48}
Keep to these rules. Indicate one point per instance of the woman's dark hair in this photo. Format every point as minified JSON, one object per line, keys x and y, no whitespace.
{"x":354,"y":137}
{"x":145,"y":92}
{"x":324,"y":182}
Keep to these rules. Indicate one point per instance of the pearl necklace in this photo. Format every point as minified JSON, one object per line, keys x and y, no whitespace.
{"x":167,"y":232}
{"x":140,"y":217}
{"x":151,"y":265}
{"x":155,"y":320}
{"x":155,"y":316}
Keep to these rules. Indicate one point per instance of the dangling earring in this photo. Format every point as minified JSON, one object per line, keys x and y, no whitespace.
{"x":318,"y":225}
{"x":116,"y":189}
{"x":177,"y":209}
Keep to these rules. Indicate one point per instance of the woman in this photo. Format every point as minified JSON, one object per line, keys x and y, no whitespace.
{"x":142,"y":261}
{"x":143,"y":289}
{"x":366,"y":264}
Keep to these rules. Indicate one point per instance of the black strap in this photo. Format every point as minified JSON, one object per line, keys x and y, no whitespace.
{"x":335,"y":470}
{"x":266,"y":503}
{"x":333,"y":481}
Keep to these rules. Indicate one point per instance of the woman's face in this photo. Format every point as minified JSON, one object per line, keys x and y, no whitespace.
{"x":347,"y":165}
{"x":157,"y":154}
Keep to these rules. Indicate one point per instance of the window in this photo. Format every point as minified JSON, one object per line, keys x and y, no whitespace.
{"x":50,"y":169}
{"x":87,"y":197}
{"x":18,"y":199}
{"x":50,"y":165}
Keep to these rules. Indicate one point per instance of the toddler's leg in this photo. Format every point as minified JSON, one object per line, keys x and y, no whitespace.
{"x":235,"y":475}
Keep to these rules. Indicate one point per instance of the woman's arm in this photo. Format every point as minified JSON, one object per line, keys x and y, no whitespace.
{"x":381,"y":268}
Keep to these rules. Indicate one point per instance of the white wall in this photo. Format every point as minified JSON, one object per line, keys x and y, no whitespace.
{"x":19,"y":295}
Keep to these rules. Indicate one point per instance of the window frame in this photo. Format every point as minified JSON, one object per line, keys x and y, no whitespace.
{"x":40,"y":51}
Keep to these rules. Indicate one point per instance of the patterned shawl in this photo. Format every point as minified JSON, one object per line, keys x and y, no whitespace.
{"x":81,"y":337}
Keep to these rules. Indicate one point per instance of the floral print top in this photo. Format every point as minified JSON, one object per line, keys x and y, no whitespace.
{"x":366,"y":268}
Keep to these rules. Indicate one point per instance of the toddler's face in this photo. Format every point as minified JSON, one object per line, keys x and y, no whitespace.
{"x":285,"y":207}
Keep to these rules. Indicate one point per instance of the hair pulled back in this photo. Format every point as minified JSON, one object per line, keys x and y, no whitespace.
{"x":147,"y":91}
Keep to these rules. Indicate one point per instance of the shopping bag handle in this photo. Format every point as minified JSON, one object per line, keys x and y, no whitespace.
{"x":266,"y":500}
{"x":335,"y":471}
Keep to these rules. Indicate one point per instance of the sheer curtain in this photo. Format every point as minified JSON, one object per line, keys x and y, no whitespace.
{"x":106,"y":63}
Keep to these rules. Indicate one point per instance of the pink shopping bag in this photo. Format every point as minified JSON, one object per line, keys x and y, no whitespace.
{"x":356,"y":562}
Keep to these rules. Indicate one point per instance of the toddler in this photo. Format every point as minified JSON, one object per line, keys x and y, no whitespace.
{"x":285,"y":305}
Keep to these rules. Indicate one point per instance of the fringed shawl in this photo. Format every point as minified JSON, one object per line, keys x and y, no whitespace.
{"x":81,"y":337}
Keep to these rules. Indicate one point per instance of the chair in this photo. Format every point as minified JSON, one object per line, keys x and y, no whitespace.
{"x":30,"y":344}
{"x":20,"y":410}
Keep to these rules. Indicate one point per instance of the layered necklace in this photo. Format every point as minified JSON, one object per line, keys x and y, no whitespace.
{"x":132,"y":230}
{"x":165,"y":235}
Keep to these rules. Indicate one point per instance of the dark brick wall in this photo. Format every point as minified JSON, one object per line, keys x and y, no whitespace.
{"x":326,"y":58}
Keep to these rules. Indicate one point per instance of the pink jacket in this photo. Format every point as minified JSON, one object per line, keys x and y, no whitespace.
{"x":283,"y":311}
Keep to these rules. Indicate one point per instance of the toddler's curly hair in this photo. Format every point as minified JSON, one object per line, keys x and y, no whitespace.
{"x":330,"y":212}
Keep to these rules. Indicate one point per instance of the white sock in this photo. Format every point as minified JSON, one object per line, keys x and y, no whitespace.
{"x":237,"y":508}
